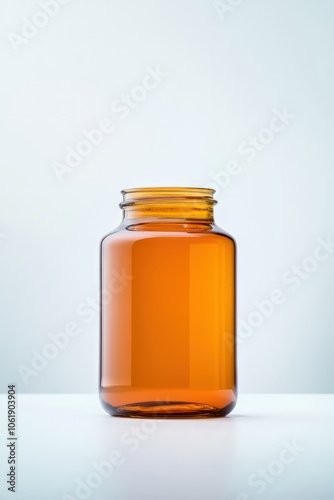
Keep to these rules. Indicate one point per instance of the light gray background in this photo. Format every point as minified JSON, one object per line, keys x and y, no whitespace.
{"x":227,"y":74}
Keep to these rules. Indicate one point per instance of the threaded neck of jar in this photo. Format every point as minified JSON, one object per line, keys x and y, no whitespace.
{"x":189,"y":203}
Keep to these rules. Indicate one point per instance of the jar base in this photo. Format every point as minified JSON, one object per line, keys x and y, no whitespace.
{"x":171,"y":409}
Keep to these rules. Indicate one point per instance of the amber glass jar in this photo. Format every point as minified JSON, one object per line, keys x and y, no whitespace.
{"x":168,"y":308}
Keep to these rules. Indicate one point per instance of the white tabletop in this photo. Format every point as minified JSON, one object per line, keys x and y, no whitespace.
{"x":272,"y":447}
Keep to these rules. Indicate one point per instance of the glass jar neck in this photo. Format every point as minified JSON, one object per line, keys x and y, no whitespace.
{"x":168,"y":203}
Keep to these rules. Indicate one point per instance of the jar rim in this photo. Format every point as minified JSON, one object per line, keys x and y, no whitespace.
{"x":151,"y":195}
{"x":169,"y":189}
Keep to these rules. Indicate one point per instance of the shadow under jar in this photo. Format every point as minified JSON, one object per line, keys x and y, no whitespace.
{"x":168,"y":308}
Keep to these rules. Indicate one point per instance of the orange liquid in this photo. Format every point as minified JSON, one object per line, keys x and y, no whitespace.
{"x":168,"y":321}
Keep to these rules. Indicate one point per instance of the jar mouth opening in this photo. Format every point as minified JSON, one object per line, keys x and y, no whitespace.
{"x":154,"y":195}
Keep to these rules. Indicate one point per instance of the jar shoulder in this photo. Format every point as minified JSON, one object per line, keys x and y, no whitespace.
{"x":137,"y":232}
{"x":219,"y":231}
